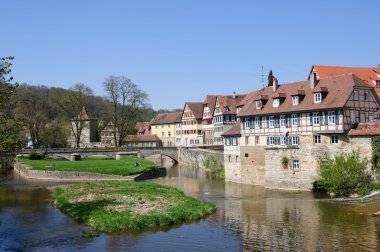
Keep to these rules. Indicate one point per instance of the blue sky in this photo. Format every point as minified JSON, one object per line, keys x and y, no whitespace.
{"x":182,"y":50}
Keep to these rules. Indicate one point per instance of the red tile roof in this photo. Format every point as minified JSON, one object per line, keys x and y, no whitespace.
{"x":234,"y":131}
{"x":366,"y":129}
{"x":142,"y":138}
{"x":143,"y":128}
{"x":167,"y":118}
{"x":230,"y":102}
{"x":210,"y":102}
{"x":247,"y":98}
{"x":368,"y":74}
{"x":196,"y":108}
{"x":339,"y":90}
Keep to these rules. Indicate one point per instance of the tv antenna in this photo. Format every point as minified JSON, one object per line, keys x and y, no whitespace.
{"x":262,"y":77}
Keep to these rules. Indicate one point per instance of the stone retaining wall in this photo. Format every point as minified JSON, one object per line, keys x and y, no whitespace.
{"x":26,"y":172}
{"x":196,"y":157}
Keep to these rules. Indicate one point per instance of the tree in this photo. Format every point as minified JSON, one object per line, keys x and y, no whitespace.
{"x":9,"y":129}
{"x":270,"y":78}
{"x":71,"y":105}
{"x":54,"y":135}
{"x":127,"y":101}
{"x":32,"y":110}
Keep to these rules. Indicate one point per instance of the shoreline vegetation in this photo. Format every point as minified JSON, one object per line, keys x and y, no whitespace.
{"x":101,"y":165}
{"x":110,"y":206}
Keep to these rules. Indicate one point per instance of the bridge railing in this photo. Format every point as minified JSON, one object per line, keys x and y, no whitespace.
{"x":110,"y":149}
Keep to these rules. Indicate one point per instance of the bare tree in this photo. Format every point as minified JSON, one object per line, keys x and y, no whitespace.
{"x":127,"y":101}
{"x":72,"y":105}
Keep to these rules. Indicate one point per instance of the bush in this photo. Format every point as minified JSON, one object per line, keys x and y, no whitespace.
{"x":215,"y":166}
{"x":36,"y":155}
{"x":344,"y":175}
{"x":284,"y":162}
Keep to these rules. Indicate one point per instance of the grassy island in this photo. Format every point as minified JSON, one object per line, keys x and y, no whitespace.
{"x":120,"y":205}
{"x":103,"y":165}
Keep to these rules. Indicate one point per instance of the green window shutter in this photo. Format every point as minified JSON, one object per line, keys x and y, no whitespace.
{"x":276,"y":121}
{"x":260,"y":121}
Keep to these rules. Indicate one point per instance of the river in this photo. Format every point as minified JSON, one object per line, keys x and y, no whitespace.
{"x":249,"y":218}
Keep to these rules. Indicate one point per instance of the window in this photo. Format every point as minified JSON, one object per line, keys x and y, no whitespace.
{"x":294,"y":120}
{"x":334,"y":139}
{"x":283,"y":140}
{"x":246,"y":140}
{"x":296,"y":165}
{"x":295,"y":140}
{"x":366,"y":95}
{"x":237,"y":158}
{"x":247,"y":123}
{"x":295,"y":100}
{"x":163,"y":134}
{"x":317,"y":97}
{"x":371,"y":116}
{"x":257,"y":122}
{"x":271,"y":122}
{"x":317,"y":139}
{"x":246,"y":155}
{"x":331,"y":117}
{"x":257,"y":140}
{"x":169,"y":133}
{"x":259,"y":105}
{"x":356,"y":95}
{"x":229,"y":158}
{"x":378,"y":83}
{"x":271,"y":141}
{"x":234,"y":141}
{"x":282,"y":121}
{"x":316,"y":119}
{"x":162,"y":126}
{"x":276,"y":102}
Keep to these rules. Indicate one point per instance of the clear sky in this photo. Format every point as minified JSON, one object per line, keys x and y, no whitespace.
{"x":182,"y":50}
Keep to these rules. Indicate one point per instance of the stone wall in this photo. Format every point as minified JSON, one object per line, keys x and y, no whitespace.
{"x":252,"y":165}
{"x":26,"y":172}
{"x":197,"y":157}
{"x":308,"y":155}
{"x":232,"y":166}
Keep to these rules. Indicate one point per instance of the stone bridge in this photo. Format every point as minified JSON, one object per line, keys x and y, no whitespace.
{"x":171,"y":152}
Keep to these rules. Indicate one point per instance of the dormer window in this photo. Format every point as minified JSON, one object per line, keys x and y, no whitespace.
{"x":276,"y":103}
{"x":226,"y":109}
{"x":295,"y":100}
{"x":317,"y":97}
{"x":378,"y":83}
{"x":259,"y":104}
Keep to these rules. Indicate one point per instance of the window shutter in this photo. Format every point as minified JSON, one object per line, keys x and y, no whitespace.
{"x":267,"y":140}
{"x":260,"y":121}
{"x":276,"y":121}
{"x":299,"y":119}
{"x":337,"y":117}
{"x":320,"y":118}
{"x":326,"y":118}
{"x":267,"y":121}
{"x":311,"y":118}
{"x":287,"y":120}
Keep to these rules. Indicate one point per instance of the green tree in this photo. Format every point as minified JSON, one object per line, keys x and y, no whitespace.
{"x":270,"y":78}
{"x":55,"y":135}
{"x":9,"y":129}
{"x":31,"y":110}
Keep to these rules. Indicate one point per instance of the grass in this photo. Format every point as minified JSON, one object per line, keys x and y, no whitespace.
{"x":121,"y":205}
{"x":125,"y":166}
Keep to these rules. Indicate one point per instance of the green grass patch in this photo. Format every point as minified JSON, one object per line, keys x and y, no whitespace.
{"x":103,"y":165}
{"x":120,"y":205}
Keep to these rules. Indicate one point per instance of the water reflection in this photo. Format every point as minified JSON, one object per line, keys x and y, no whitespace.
{"x":248,"y":218}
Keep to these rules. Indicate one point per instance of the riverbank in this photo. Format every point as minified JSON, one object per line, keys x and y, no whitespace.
{"x":121,"y":205}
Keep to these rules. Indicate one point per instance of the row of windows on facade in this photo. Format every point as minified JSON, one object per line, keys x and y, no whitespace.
{"x":163,"y":126}
{"x":143,"y":144}
{"x":292,"y":120}
{"x":317,"y":99}
{"x":163,"y":134}
{"x":278,"y":140}
{"x":190,"y":132}
{"x":192,"y":141}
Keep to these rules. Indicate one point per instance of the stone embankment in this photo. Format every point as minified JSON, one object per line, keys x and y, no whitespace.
{"x":27,"y":172}
{"x":197,"y":157}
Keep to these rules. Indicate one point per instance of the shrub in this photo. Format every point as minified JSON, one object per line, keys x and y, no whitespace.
{"x":215,"y":166}
{"x":376,"y":152}
{"x":36,"y":155}
{"x":284,"y":162}
{"x":344,"y":175}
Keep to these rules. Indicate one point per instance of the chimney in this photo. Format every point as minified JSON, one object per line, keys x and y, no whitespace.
{"x":275,"y":84}
{"x":234,"y":95}
{"x":313,"y":79}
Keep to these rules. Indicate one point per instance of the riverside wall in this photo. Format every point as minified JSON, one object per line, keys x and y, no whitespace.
{"x":197,"y":157}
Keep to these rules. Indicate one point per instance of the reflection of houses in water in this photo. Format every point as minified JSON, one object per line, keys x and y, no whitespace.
{"x":272,"y":220}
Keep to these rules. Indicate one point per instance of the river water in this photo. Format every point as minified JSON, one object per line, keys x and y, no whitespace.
{"x":249,"y":218}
